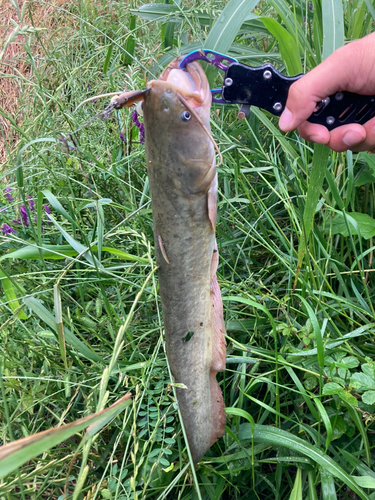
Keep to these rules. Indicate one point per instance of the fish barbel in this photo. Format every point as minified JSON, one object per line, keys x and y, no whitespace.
{"x":183,"y":183}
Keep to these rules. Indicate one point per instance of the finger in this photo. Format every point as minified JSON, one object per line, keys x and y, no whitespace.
{"x":352,"y":136}
{"x":347,"y":137}
{"x":368,"y":144}
{"x":313,"y":132}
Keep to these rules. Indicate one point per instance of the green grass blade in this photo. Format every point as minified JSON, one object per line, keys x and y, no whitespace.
{"x":226,"y":28}
{"x":107,"y":59}
{"x":357,"y":464}
{"x":10,"y":294}
{"x":326,"y":421}
{"x":57,"y":206}
{"x":287,"y":45}
{"x":371,"y":8}
{"x":36,"y":306}
{"x":333,"y":26}
{"x":318,"y":168}
{"x":328,"y":486}
{"x":59,"y":323}
{"x":294,"y":28}
{"x":48,"y":251}
{"x":227,"y":25}
{"x":130,"y":42}
{"x":58,"y":252}
{"x":311,"y":486}
{"x":358,"y":21}
{"x":279,"y":437}
{"x":100,"y":229}
{"x":15,"y":454}
{"x":333,"y":190}
{"x":303,"y":392}
{"x":365,"y":482}
{"x":169,"y":35}
{"x":296,"y":493}
{"x":80,"y":249}
{"x":357,"y":419}
{"x":317,"y":331}
{"x":39,"y":222}
{"x":255,"y":304}
{"x":155,"y":12}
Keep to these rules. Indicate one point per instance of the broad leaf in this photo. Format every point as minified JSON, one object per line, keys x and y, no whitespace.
{"x":356,"y":222}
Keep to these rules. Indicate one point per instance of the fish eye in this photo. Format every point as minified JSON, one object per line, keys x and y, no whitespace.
{"x":185,"y":116}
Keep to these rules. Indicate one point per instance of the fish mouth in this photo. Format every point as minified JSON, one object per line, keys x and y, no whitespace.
{"x":190,"y":83}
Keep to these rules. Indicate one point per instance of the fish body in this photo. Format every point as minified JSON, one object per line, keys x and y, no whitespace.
{"x":183,"y":183}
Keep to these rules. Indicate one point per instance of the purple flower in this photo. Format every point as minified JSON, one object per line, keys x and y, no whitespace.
{"x":310,"y":5}
{"x":141,"y":133}
{"x":31,"y":202}
{"x":24,"y":216}
{"x":122,"y":137}
{"x":6,"y":229}
{"x":47,"y":209}
{"x":17,"y":221}
{"x":88,"y":87}
{"x":140,"y":125}
{"x":3,"y":209}
{"x":135,"y":118}
{"x":8,"y":195}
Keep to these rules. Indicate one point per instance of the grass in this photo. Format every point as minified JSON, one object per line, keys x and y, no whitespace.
{"x":80,"y":317}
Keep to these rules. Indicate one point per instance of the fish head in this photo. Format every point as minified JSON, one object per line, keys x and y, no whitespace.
{"x":176,"y":113}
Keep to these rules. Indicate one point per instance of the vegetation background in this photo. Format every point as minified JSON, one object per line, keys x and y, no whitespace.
{"x":80,"y":315}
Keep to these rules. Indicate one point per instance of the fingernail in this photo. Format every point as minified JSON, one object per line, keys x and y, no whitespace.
{"x":286,"y":119}
{"x":352,"y":138}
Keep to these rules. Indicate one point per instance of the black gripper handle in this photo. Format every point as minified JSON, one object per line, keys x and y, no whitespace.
{"x":265,"y":87}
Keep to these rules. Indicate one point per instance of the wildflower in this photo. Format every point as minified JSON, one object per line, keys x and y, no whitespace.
{"x":31,"y":202}
{"x":310,"y":5}
{"x":135,"y":118}
{"x":24,"y":216}
{"x":47,"y":209}
{"x":8,"y":194}
{"x":6,"y":229}
{"x":88,"y":87}
{"x":141,"y":133}
{"x":140,"y":125}
{"x":3,"y":209}
{"x":122,"y":137}
{"x":17,"y":221}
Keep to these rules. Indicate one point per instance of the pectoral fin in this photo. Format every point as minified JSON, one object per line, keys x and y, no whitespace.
{"x":212,"y":202}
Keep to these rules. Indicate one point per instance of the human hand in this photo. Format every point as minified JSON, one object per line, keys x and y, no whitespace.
{"x":350,"y":68}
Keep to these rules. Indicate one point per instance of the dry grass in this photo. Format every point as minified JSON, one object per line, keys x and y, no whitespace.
{"x":15,"y":64}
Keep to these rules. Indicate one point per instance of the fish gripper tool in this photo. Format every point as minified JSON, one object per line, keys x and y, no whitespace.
{"x":264,"y":87}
